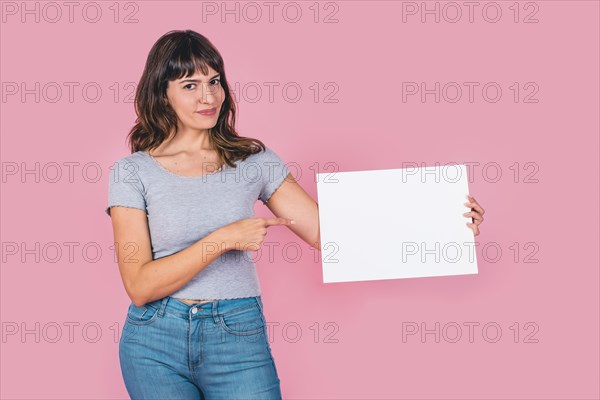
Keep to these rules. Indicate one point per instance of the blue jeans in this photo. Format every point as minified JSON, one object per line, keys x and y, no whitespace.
{"x":217,"y":350}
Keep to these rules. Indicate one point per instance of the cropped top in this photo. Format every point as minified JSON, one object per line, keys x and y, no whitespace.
{"x":183,"y":209}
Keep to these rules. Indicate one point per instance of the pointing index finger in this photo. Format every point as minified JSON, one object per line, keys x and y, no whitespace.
{"x":279,"y":221}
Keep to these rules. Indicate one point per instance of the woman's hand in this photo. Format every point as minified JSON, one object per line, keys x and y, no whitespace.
{"x":248,"y":233}
{"x":476,"y":213}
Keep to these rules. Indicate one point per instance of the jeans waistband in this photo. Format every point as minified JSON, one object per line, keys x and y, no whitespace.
{"x":171,"y":305}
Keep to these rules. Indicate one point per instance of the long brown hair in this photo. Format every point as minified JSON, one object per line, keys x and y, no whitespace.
{"x":175,"y":55}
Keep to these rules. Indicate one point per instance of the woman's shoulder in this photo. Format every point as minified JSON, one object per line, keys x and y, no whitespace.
{"x":136,"y":162}
{"x":263,"y":159}
{"x":255,"y":157}
{"x":271,"y":156}
{"x":268,"y":154}
{"x":136,"y":158}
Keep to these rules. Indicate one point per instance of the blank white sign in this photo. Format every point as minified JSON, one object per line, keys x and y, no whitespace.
{"x":395,"y":223}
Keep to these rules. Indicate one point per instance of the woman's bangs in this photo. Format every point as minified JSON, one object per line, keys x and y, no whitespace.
{"x":186,"y":64}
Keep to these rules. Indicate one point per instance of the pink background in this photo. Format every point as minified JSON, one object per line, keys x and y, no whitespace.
{"x":367,"y":53}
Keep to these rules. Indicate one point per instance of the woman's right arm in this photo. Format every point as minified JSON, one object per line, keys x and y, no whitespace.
{"x":145,"y":279}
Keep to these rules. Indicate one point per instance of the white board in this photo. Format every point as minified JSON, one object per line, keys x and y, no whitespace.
{"x":395,"y":223}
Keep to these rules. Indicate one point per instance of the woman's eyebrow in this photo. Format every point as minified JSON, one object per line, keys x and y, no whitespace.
{"x":197,"y":80}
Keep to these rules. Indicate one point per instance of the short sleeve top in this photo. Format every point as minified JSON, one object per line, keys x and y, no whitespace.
{"x":183,"y":209}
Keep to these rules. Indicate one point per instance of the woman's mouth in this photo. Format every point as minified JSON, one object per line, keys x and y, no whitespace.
{"x":207,"y":112}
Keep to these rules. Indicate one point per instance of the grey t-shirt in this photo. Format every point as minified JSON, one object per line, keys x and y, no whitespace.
{"x":183,"y":209}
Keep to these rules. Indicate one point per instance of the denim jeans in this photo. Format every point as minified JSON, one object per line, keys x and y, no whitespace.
{"x":218,"y":350}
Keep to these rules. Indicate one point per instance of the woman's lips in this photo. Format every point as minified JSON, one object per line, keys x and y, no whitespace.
{"x":208,"y":112}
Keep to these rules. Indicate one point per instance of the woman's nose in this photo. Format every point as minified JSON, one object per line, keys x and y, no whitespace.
{"x":207,"y":94}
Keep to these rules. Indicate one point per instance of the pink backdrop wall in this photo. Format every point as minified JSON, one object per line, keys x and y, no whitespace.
{"x":535,"y":171}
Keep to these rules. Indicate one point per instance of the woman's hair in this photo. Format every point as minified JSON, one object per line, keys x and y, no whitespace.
{"x":175,"y":55}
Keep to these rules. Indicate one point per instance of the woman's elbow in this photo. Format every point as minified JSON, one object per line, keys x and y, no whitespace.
{"x":316,"y":243}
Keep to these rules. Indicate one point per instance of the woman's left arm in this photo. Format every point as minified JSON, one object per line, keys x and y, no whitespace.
{"x":291,"y":201}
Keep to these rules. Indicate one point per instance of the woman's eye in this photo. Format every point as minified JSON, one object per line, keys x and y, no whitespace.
{"x":214,"y":82}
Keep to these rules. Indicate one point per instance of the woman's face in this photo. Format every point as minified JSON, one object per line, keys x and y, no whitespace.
{"x":189,"y":96}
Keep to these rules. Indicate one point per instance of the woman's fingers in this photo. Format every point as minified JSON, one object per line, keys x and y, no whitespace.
{"x":476,"y":214}
{"x":278,"y":221}
{"x":477,"y":218}
{"x":476,"y":207}
{"x":474,"y":227}
{"x":473,"y":204}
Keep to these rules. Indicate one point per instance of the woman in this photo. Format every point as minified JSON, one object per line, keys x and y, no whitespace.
{"x":181,"y":204}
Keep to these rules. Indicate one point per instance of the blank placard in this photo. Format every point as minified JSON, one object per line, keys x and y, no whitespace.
{"x":395,"y":223}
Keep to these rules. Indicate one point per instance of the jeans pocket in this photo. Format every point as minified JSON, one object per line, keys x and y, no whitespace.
{"x":143,"y":315}
{"x":243,"y":321}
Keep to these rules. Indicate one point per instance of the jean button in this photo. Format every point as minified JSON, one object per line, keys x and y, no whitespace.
{"x":194,"y":310}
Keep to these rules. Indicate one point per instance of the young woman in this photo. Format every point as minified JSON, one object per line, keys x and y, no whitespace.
{"x":182,"y":213}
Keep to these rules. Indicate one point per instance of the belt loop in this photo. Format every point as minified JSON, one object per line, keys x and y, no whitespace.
{"x":260,"y":304}
{"x":163,"y":305}
{"x":215,"y":311}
